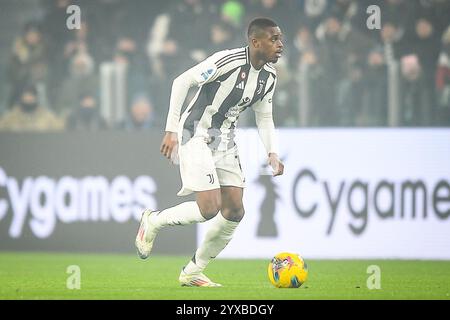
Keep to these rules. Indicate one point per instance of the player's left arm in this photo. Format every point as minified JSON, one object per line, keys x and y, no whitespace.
{"x":266,"y":130}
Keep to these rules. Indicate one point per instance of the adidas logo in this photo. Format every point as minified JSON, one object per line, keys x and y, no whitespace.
{"x":240,"y":85}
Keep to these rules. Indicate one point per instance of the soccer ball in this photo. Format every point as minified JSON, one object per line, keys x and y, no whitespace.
{"x":287,"y":270}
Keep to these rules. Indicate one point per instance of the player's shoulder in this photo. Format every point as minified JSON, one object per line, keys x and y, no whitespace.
{"x":269,"y":67}
{"x":227,"y":52}
{"x":228,"y":56}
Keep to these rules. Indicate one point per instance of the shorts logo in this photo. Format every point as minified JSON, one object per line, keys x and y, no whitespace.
{"x":211,"y":178}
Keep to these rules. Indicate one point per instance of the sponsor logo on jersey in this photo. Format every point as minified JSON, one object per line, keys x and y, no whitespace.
{"x":241,"y":85}
{"x":233,"y":112}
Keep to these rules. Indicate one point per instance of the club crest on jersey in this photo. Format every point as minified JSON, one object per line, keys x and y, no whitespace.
{"x":261,"y":86}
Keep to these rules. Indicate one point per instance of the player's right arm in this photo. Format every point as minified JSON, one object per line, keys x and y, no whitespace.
{"x":204,"y":72}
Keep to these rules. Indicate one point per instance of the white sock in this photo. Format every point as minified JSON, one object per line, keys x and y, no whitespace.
{"x":180,"y":215}
{"x":217,"y":237}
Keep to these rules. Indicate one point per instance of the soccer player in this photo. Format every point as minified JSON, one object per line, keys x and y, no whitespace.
{"x":229,"y":82}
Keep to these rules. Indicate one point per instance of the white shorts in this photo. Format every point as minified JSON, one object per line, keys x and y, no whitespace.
{"x":203,"y":169}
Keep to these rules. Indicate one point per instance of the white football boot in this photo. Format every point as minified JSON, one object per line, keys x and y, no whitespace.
{"x":146,"y":235}
{"x":197,"y":279}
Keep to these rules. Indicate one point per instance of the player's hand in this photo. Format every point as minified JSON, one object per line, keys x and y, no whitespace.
{"x":276,"y":164}
{"x":169,"y":146}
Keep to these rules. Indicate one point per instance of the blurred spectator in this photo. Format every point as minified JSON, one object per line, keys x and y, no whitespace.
{"x":420,"y":74}
{"x":443,"y":81}
{"x":29,"y":62}
{"x":189,"y":19}
{"x":81,"y":78}
{"x":332,"y":56}
{"x":286,"y":110}
{"x":86,"y":116}
{"x":435,"y":11}
{"x":221,"y":38}
{"x":375,"y":102}
{"x":141,"y":115}
{"x":398,"y":11}
{"x":55,"y":21}
{"x":80,"y":41}
{"x":427,"y":45}
{"x":28,"y":115}
{"x":171,"y":43}
{"x":314,"y":12}
{"x":392,"y":40}
{"x":352,"y":15}
{"x":54,"y":26}
{"x":233,"y":12}
{"x":176,"y":40}
{"x":342,"y":52}
{"x":128,"y":56}
{"x":303,"y":43}
{"x":161,"y":48}
{"x":306,"y":62}
{"x":415,"y":97}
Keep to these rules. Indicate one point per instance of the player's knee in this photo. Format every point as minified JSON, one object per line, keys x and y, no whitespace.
{"x":233,"y":214}
{"x":210,"y":209}
{"x":209,"y":203}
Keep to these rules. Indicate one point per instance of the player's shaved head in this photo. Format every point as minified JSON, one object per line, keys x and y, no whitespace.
{"x":258,"y":26}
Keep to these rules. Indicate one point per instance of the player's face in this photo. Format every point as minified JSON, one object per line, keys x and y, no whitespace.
{"x":272,"y":44}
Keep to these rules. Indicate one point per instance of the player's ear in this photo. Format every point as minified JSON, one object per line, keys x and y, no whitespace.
{"x":255,"y":43}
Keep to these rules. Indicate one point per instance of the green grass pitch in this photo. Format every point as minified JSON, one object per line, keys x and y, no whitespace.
{"x":44,"y":276}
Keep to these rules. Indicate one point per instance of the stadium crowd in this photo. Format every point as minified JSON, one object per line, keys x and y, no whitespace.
{"x":51,"y":80}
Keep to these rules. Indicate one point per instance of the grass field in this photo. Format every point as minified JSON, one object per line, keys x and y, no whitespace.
{"x":44,"y":276}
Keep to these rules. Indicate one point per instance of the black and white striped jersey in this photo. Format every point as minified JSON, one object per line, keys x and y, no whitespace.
{"x":228,"y":85}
